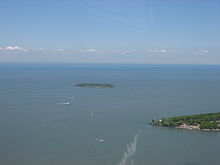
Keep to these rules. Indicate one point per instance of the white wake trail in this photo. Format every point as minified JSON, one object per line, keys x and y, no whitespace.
{"x":127,"y":158}
{"x":32,"y":105}
{"x":89,"y":136}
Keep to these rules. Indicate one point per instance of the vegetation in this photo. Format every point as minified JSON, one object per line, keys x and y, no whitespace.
{"x":95,"y":85}
{"x":210,"y":121}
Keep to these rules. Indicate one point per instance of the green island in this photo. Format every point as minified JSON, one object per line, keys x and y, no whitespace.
{"x":95,"y":85}
{"x":209,"y":121}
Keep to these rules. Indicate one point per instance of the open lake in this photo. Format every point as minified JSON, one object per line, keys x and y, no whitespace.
{"x":38,"y":128}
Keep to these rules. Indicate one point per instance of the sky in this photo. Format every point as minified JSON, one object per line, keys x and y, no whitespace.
{"x":110,"y":31}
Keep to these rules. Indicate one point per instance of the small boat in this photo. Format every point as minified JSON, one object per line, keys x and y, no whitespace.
{"x":100,"y":140}
{"x":66,"y":103}
{"x":91,"y":114}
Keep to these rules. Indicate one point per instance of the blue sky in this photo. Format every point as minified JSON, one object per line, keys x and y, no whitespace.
{"x":110,"y":31}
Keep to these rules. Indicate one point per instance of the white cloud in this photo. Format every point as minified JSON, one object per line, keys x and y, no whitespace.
{"x":59,"y":50}
{"x":88,"y":50}
{"x":157,"y":50}
{"x":123,"y":53}
{"x":40,"y":49}
{"x":204,"y":51}
{"x":13,"y":48}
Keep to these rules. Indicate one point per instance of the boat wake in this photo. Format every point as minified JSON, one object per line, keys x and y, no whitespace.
{"x":88,"y":136}
{"x":100,"y":140}
{"x":69,"y":97}
{"x":31,"y":105}
{"x":127,"y":158}
{"x":66,"y":103}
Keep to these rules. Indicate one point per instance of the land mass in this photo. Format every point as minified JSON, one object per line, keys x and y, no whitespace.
{"x":95,"y":85}
{"x":209,"y":121}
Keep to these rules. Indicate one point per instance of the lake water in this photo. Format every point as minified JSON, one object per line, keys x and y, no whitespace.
{"x":35,"y":129}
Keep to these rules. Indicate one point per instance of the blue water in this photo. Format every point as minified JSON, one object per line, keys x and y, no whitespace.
{"x":35,"y":129}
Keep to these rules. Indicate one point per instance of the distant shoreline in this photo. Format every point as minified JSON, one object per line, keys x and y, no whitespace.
{"x":48,"y":64}
{"x":95,"y":85}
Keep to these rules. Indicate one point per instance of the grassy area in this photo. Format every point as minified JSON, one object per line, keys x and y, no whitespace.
{"x":203,"y":121}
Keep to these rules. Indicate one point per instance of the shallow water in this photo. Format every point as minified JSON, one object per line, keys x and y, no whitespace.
{"x":36,"y":129}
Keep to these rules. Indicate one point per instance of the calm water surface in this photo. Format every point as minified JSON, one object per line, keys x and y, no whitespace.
{"x":35,"y":129}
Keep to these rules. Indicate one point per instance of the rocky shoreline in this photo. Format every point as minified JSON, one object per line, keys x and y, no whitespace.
{"x":195,"y":127}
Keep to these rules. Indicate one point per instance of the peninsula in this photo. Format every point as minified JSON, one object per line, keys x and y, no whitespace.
{"x":209,"y":121}
{"x":95,"y":85}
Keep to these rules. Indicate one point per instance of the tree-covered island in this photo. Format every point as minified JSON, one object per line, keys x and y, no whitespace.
{"x":209,"y":121}
{"x":95,"y":85}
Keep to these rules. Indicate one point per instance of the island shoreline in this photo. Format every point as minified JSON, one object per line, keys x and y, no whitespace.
{"x":203,"y":122}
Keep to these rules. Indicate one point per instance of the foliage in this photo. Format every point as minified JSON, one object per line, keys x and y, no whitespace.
{"x":206,"y":121}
